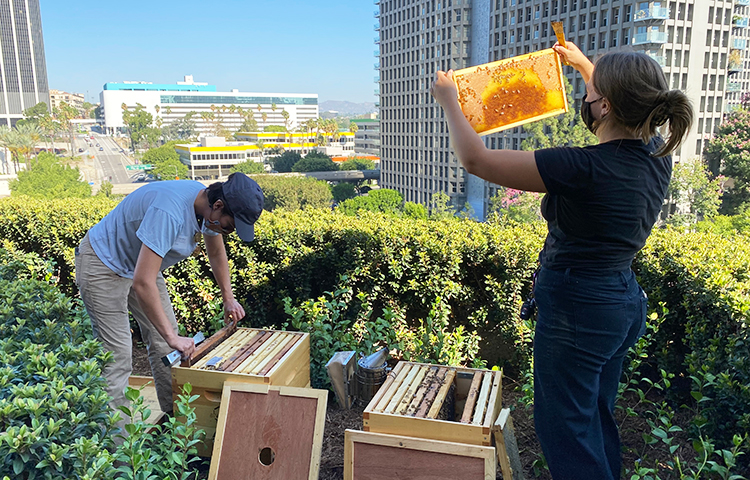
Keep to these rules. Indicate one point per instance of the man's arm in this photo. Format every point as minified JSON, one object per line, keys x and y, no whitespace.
{"x":217,"y":256}
{"x":144,"y":284}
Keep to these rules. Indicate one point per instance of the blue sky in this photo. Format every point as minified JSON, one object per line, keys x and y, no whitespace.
{"x":279,"y":46}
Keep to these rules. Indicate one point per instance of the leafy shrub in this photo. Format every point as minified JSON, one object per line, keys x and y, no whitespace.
{"x":357,"y":163}
{"x":49,"y":178}
{"x":55,"y":422}
{"x":249,"y":167}
{"x":343,"y":191}
{"x":293,"y":192}
{"x":383,"y":200}
{"x":315,"y":164}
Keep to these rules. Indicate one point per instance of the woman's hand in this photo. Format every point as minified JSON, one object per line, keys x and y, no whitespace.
{"x":233,"y":312}
{"x":444,"y":89}
{"x":575,"y":57}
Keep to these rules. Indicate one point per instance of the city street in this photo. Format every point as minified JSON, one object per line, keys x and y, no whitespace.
{"x":110,"y":163}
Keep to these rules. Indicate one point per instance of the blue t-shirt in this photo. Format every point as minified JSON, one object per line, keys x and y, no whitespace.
{"x":160,"y":215}
{"x":602,"y":203}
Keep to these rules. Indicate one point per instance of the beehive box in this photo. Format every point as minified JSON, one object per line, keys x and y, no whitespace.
{"x":511,"y":92}
{"x":451,"y":404}
{"x":246,"y":355}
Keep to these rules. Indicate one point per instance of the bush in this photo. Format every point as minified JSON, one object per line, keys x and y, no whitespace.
{"x":293,"y":193}
{"x":284,"y":162}
{"x":48,"y":179}
{"x":55,"y":421}
{"x":249,"y":167}
{"x":383,"y":200}
{"x":343,"y":191}
{"x":357,"y":163}
{"x":315,"y":164}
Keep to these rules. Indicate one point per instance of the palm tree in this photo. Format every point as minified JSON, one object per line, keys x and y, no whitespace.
{"x":5,"y":142}
{"x":261,"y":145}
{"x":264,"y":116}
{"x":353,"y":127}
{"x":28,"y":136}
{"x":168,"y":110}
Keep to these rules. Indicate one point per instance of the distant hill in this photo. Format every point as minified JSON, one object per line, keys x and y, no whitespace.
{"x":345,"y":108}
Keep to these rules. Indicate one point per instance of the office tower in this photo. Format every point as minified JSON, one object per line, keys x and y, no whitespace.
{"x":701,"y":45}
{"x":23,"y":70}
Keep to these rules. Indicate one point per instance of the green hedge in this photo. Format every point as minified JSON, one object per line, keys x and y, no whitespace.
{"x":414,"y":272}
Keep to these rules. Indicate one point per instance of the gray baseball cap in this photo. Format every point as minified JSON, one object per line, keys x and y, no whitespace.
{"x":245,"y":199}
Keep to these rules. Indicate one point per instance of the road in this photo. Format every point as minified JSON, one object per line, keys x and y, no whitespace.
{"x":110,"y":163}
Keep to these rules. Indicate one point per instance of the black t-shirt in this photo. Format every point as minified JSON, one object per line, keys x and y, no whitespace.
{"x":601,"y":204}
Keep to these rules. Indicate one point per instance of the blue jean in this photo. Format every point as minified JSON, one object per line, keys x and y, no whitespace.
{"x":585,"y":325}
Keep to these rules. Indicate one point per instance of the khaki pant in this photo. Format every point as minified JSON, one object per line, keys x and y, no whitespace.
{"x":108,"y":297}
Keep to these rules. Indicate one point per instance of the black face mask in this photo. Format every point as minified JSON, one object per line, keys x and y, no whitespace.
{"x":586,"y":115}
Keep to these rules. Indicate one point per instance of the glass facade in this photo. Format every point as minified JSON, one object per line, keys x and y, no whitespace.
{"x":23,"y":83}
{"x":237,"y":100}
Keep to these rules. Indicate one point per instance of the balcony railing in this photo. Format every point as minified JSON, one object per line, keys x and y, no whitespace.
{"x":734,"y":87}
{"x":377,"y":66}
{"x":377,"y":13}
{"x":376,"y":78}
{"x":742,"y":2}
{"x":739,"y":43}
{"x":731,"y":107}
{"x":377,"y":40}
{"x":659,"y":59}
{"x":653,"y":13}
{"x":740,"y":22}
{"x":650,"y":37}
{"x":376,"y":53}
{"x":734,"y":68}
{"x":377,"y":27}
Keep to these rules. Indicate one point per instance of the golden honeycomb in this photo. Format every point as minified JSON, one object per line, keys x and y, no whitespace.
{"x":511,"y":92}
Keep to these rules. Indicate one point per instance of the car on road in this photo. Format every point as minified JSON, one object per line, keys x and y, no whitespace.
{"x":101,"y":149}
{"x":97,"y":144}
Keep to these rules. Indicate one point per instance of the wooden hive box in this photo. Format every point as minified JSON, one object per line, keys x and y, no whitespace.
{"x":452,"y":404}
{"x":245,"y":355}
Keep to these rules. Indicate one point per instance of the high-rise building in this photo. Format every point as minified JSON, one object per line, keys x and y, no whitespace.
{"x":701,"y":45}
{"x":23,"y":69}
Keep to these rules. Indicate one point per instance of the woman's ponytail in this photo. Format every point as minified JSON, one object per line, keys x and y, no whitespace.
{"x":674,"y":107}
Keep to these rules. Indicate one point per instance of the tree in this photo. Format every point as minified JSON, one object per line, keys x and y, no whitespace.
{"x":357,"y":163}
{"x":727,"y":153}
{"x":343,"y":191}
{"x":170,"y":170}
{"x":285,"y":114}
{"x":181,"y":129}
{"x":249,"y":124}
{"x":567,"y":130}
{"x":353,"y":127}
{"x":139,"y":123}
{"x":33,"y":114}
{"x":249,"y":167}
{"x":383,"y":200}
{"x":516,"y":205}
{"x":415,"y":210}
{"x":293,"y":193}
{"x":315,"y":164}
{"x":274,"y":128}
{"x":695,"y":194}
{"x":47,"y":178}
{"x":165,"y":153}
{"x":440,"y":206}
{"x":284,"y":162}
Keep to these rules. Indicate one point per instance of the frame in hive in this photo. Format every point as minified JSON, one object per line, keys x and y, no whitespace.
{"x":511,"y":92}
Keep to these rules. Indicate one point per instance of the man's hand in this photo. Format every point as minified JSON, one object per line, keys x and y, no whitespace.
{"x":444,"y":89}
{"x":185,"y":345}
{"x":233,"y":312}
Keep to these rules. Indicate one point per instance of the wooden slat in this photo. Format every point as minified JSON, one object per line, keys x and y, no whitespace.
{"x":260,"y":353}
{"x":385,"y":387}
{"x":419,"y":395}
{"x":237,"y":342}
{"x":402,"y":389}
{"x":495,"y":397}
{"x":209,"y":344}
{"x":237,"y":349}
{"x":221,"y":349}
{"x":482,"y":400}
{"x":285,"y":339}
{"x":472,"y":398}
{"x":393,"y":388}
{"x":248,"y":350}
{"x":432,"y":392}
{"x":437,"y":404}
{"x":270,"y":364}
{"x":411,"y":391}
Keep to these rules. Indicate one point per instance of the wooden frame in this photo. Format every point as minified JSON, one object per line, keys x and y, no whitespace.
{"x":377,"y":418}
{"x":291,"y":369}
{"x":435,"y":454}
{"x":222,"y":459}
{"x":535,"y":100}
